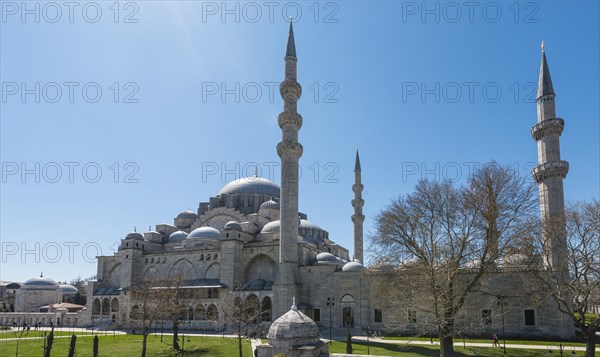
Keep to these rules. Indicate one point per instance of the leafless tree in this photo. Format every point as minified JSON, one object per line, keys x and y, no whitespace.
{"x":243,"y":316}
{"x":180,"y":306}
{"x":150,"y":299}
{"x":573,"y":283}
{"x":438,"y":242}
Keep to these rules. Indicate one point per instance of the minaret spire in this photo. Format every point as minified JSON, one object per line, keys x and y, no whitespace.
{"x":358,"y":217}
{"x":545,"y":82}
{"x":291,"y":44}
{"x":289,"y":151}
{"x":551,"y":171}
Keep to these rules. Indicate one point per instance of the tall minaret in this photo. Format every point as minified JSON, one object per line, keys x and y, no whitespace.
{"x":289,"y":150}
{"x":358,"y":217}
{"x":551,"y":171}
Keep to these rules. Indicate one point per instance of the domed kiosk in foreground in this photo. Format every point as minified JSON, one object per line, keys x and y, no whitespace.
{"x":295,"y":335}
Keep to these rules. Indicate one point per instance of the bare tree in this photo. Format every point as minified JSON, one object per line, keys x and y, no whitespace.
{"x":149,"y":301}
{"x":440,"y":240}
{"x":243,"y":316}
{"x":574,"y":283}
{"x":180,"y":306}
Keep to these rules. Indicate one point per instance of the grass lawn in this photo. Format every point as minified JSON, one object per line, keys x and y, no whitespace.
{"x":128,"y":345}
{"x":382,"y":349}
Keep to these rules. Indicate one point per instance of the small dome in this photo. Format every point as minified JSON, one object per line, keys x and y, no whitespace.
{"x":305,"y":223}
{"x":177,"y":236}
{"x":325,"y":257}
{"x":68,"y":289}
{"x":353,"y":266}
{"x":40,"y":282}
{"x":271,"y":227}
{"x":187,"y":214}
{"x":270,"y":204}
{"x":254,"y":184}
{"x":204,"y":232}
{"x":295,"y":327}
{"x":135,"y":235}
{"x":233,"y":225}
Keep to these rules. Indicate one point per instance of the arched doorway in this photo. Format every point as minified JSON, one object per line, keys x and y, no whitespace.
{"x":347,"y":304}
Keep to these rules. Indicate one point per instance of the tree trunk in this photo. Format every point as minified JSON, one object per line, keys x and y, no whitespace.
{"x":240,"y":344}
{"x":446,"y":346}
{"x":176,"y":336}
{"x":590,"y":344}
{"x":144,"y":340}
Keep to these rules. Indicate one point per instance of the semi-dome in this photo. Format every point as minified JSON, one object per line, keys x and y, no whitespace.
{"x":233,"y":225}
{"x":187,"y":214}
{"x":135,"y":235}
{"x":177,"y":236}
{"x":295,"y":328}
{"x":270,"y":204}
{"x":271,"y":227}
{"x":204,"y":232}
{"x":325,"y":257}
{"x":67,"y":289}
{"x":40,"y":282}
{"x":254,"y":185}
{"x":353,"y":266}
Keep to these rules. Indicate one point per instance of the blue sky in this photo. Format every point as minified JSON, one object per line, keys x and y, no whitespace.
{"x":423,"y":89}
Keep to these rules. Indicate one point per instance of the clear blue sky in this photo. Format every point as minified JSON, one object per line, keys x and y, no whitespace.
{"x":370,"y":71}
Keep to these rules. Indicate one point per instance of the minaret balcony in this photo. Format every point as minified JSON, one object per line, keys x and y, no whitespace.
{"x":286,"y":147}
{"x":550,"y":169}
{"x":358,"y":202}
{"x":547,"y":127}
{"x":290,"y":90}
{"x":290,"y":118}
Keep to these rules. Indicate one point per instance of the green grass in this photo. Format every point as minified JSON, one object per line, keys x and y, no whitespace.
{"x":129,"y":345}
{"x":382,"y":349}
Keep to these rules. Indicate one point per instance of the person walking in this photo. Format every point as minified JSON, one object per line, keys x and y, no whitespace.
{"x":495,"y":341}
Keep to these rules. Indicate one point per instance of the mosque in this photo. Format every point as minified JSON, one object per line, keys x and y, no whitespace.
{"x":251,"y":239}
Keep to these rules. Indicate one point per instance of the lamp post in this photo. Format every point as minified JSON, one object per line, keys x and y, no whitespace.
{"x":330,"y":303}
{"x":502,"y":302}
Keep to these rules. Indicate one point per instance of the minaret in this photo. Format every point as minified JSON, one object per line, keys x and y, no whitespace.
{"x":551,"y":171}
{"x":289,"y":150}
{"x":358,"y":217}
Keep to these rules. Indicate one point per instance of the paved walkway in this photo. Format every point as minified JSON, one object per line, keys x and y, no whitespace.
{"x":541,"y":346}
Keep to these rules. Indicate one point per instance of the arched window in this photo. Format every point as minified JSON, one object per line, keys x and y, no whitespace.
{"x":105,"y":306}
{"x":200,"y":313}
{"x":212,"y":313}
{"x":252,"y":309}
{"x":96,"y":307}
{"x":114,"y":305}
{"x":135,"y":313}
{"x":266,"y":309}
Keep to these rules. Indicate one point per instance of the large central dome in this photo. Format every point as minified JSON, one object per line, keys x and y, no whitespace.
{"x":253,"y":185}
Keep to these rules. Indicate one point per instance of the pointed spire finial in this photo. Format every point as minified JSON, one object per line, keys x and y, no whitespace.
{"x":291,"y":45}
{"x":294,"y":307}
{"x":42,"y":274}
{"x":357,"y":162}
{"x":135,"y":229}
{"x":256,"y":170}
{"x":545,"y":82}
